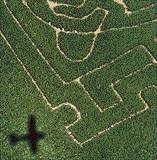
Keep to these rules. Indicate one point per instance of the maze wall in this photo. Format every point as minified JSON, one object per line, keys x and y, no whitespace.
{"x":98,"y":58}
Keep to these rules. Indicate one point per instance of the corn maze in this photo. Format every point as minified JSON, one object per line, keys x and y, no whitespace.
{"x":90,"y":66}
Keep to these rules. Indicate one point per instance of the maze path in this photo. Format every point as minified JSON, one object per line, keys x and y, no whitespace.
{"x":73,"y":11}
{"x":114,"y":72}
{"x":74,"y":3}
{"x":81,"y":110}
{"x":72,"y":69}
{"x":70,"y":10}
{"x":131,"y":106}
{"x":134,"y":5}
{"x":128,"y":18}
{"x":68,"y":24}
{"x":82,"y":48}
{"x":53,"y":5}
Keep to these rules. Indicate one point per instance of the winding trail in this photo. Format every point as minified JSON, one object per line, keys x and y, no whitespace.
{"x":52,"y":5}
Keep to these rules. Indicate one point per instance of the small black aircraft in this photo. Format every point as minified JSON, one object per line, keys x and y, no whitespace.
{"x":32,"y":137}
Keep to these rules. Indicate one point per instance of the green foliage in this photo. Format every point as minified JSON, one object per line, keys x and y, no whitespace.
{"x":75,"y":47}
{"x":123,"y":56}
{"x":98,"y":84}
{"x":136,"y":4}
{"x":87,"y":8}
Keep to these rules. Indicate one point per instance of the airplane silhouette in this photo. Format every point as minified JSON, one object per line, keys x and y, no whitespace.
{"x":32,"y":137}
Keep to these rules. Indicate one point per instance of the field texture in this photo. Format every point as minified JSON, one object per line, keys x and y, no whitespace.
{"x":87,"y":69}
